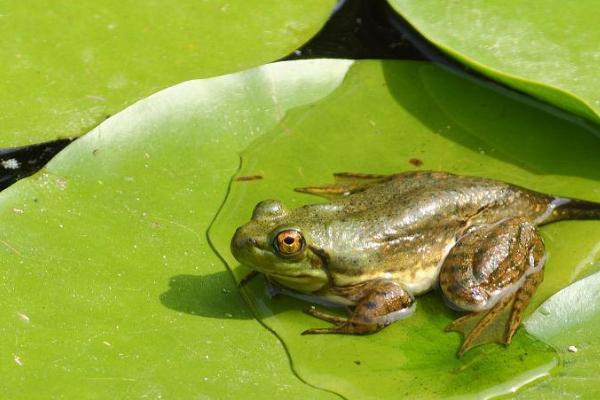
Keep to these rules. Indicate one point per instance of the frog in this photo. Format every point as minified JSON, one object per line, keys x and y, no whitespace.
{"x":380,"y":241}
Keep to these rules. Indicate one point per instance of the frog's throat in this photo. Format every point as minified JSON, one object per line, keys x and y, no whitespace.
{"x":300,"y":283}
{"x":306,"y":283}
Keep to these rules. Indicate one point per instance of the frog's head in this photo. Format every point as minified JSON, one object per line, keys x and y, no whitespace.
{"x":276,"y":244}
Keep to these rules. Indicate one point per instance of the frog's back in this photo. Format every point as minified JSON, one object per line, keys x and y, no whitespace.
{"x":404,"y":227}
{"x":446,"y":195}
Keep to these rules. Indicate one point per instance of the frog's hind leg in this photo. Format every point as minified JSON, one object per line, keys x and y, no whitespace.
{"x":492,"y":272}
{"x":380,"y":303}
{"x":346,"y":183}
{"x":500,"y":323}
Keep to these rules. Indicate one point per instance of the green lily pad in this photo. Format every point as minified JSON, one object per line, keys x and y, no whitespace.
{"x":570,"y":321}
{"x":110,"y":287}
{"x":67,"y":66}
{"x":113,"y":289}
{"x":382,"y":119}
{"x":548,"y":51}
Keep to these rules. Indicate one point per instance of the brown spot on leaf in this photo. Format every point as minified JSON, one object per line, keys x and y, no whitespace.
{"x":247,"y":178}
{"x":416,"y":162}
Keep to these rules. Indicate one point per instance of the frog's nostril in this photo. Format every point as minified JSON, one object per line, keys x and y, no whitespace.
{"x":252,"y":241}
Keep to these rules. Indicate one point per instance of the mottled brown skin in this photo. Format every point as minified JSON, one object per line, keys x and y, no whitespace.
{"x":384,"y":239}
{"x":503,"y":260}
{"x":373,"y":302}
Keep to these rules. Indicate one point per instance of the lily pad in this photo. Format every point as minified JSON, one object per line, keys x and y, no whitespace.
{"x":570,"y":321}
{"x":67,"y":66}
{"x":384,"y":118}
{"x":548,"y":51}
{"x":111,"y":289}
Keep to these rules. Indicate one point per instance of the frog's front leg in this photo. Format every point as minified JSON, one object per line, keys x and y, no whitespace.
{"x":492,"y":272}
{"x":380,"y":303}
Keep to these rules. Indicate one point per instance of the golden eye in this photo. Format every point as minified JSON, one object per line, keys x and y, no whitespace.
{"x":289,"y":242}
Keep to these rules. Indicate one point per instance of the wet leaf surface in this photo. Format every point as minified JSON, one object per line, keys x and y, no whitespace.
{"x":382,"y":118}
{"x":67,"y":66}
{"x":548,"y":51}
{"x":111,"y":289}
{"x":570,"y":322}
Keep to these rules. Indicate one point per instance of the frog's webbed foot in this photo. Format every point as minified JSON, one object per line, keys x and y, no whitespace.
{"x":492,"y":272}
{"x":382,"y":302}
{"x":346,"y":183}
{"x":499,"y":324}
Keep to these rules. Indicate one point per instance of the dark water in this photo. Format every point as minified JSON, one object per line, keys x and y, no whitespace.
{"x":19,"y":162}
{"x":363,"y":29}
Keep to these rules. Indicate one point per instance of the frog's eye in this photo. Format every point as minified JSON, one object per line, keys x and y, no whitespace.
{"x":289,"y":242}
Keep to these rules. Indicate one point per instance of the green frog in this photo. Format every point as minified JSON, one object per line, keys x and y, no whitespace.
{"x":381,"y":240}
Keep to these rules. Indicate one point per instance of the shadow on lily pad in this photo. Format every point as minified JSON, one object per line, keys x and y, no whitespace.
{"x":216,"y":296}
{"x":211,"y":295}
{"x":487,"y":119}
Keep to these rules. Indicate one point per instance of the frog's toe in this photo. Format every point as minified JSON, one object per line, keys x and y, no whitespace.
{"x":347,"y":328}
{"x":316,"y":331}
{"x":345,"y":184}
{"x":334,"y":319}
{"x":342,"y":325}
